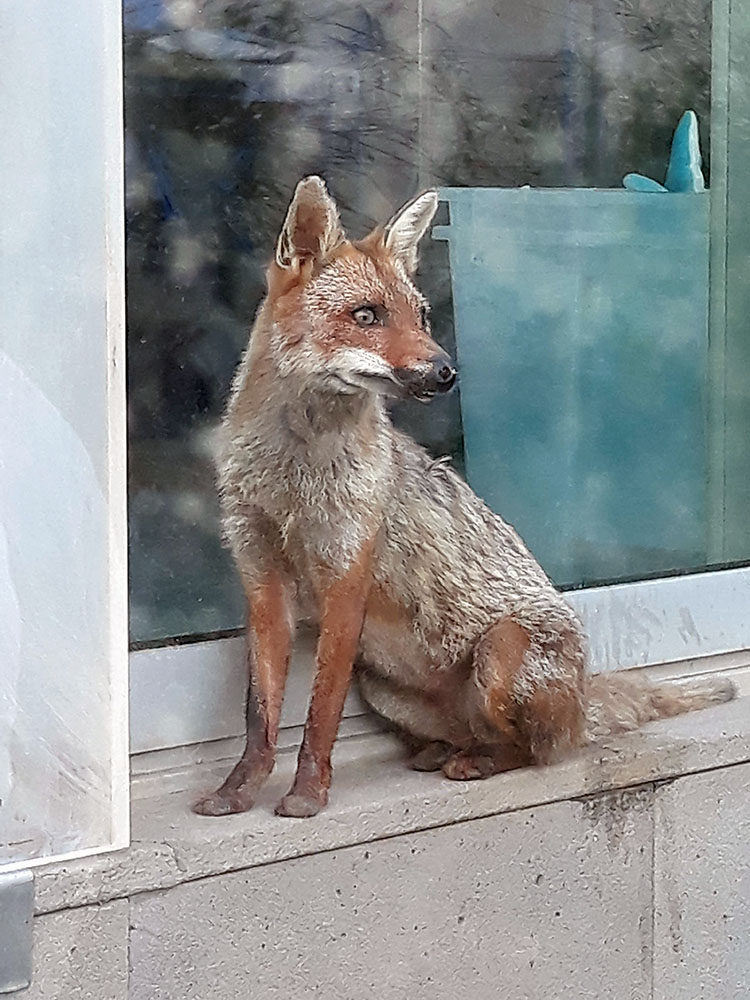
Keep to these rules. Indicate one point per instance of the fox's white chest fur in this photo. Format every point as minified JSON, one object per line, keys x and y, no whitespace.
{"x":320,"y":475}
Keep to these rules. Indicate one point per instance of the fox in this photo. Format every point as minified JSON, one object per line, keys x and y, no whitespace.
{"x":459,"y":640}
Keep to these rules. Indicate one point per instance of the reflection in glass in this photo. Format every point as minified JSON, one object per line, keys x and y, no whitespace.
{"x":229,"y":104}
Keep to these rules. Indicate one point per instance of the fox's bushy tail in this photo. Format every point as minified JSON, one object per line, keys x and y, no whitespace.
{"x":619,"y":703}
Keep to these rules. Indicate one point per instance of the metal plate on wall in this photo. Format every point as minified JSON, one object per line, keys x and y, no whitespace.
{"x":16,"y":915}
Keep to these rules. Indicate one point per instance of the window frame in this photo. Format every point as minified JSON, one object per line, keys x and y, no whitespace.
{"x":194,"y":692}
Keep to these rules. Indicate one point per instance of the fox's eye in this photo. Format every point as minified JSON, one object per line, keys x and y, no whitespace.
{"x":423,"y":313}
{"x":365,"y":316}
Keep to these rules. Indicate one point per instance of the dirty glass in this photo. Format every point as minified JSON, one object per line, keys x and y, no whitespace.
{"x":63,"y":655}
{"x":594,"y":445}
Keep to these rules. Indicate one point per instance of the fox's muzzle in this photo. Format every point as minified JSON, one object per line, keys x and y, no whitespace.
{"x":428,"y":378}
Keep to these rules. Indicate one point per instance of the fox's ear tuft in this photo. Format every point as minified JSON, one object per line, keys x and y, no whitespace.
{"x":408,"y":226}
{"x":312,"y":229}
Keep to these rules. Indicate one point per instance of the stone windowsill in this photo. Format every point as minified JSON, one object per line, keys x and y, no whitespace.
{"x":374,"y":796}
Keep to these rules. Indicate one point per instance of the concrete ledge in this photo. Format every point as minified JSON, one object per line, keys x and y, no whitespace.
{"x":543,"y":903}
{"x":374,"y":796}
{"x":81,"y":954}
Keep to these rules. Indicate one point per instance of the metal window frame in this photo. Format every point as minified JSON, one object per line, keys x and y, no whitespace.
{"x":195,"y":692}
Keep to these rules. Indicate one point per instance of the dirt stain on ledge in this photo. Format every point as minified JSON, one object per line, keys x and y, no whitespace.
{"x":614,"y":812}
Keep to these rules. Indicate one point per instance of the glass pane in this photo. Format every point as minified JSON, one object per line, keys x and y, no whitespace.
{"x":63,"y":642}
{"x":579,"y":310}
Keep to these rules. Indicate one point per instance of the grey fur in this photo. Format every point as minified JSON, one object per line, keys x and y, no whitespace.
{"x":311,"y":467}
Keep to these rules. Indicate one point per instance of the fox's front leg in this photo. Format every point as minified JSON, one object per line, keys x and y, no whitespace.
{"x":342,"y":609}
{"x":269,"y":639}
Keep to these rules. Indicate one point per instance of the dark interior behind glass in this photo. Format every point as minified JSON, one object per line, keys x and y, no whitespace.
{"x":228,"y":105}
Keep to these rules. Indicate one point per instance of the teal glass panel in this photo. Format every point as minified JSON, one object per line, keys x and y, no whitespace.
{"x":581,"y":323}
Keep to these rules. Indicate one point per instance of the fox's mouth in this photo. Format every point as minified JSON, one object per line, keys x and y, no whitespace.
{"x":354,"y":382}
{"x":390,"y":385}
{"x":423,"y":395}
{"x":404,"y":382}
{"x":386,"y":384}
{"x":424,"y":383}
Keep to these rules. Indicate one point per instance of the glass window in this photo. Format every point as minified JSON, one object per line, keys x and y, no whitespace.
{"x":594,"y":382}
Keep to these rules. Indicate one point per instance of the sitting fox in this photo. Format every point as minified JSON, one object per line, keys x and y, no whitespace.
{"x":461,"y":641}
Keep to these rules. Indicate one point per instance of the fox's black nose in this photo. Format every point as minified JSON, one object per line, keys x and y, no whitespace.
{"x":443,"y":371}
{"x":427,"y":378}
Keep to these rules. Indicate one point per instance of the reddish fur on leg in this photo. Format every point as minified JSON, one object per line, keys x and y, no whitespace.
{"x":269,"y":645}
{"x":552,"y":721}
{"x":484,"y":761}
{"x":342,"y":614}
{"x":542,"y":717}
{"x":498,"y":659}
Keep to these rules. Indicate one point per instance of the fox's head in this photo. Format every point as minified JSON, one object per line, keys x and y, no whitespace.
{"x":346,"y":315}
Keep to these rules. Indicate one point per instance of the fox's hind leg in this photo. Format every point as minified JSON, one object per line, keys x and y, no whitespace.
{"x":524,"y":702}
{"x":484,"y":760}
{"x":430,"y":728}
{"x":431,"y":756}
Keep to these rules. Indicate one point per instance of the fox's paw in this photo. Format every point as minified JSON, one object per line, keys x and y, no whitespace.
{"x":224,"y":802}
{"x":467,"y":766}
{"x":431,"y":757}
{"x":301,"y":805}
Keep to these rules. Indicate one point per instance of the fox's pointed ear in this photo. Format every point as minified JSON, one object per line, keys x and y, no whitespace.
{"x":408,"y":226}
{"x":312,"y":229}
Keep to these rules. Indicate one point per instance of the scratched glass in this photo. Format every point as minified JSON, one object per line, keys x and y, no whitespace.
{"x":596,"y":446}
{"x":63,"y":669}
